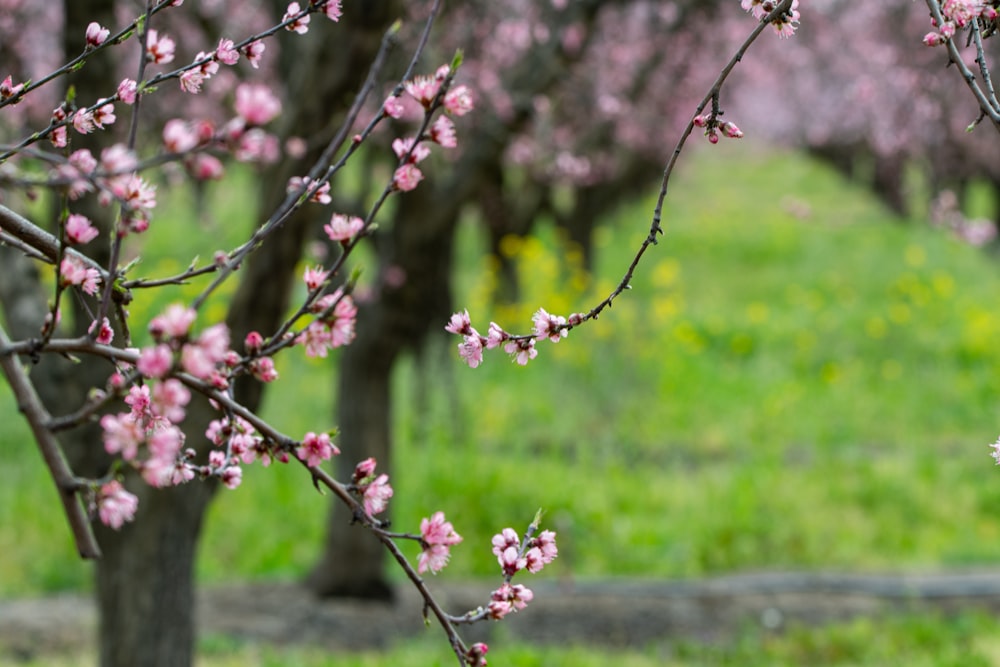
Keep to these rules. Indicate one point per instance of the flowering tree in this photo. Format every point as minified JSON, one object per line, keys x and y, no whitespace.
{"x":208,"y":376}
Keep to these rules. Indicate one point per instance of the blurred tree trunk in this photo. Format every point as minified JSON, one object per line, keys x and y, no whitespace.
{"x":413,"y":299}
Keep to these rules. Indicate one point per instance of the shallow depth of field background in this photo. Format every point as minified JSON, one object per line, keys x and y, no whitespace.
{"x":797,"y":380}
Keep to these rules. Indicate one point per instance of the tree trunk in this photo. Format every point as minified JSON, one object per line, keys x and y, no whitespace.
{"x":413,"y":298}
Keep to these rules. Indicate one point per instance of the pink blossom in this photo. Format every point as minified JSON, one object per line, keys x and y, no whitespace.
{"x":263,"y":369}
{"x":253,"y":342}
{"x":476,"y":655}
{"x":423,"y":89}
{"x":471,"y":349}
{"x":363,"y":470}
{"x":437,"y":536}
{"x":332,"y":10}
{"x":117,"y":158}
{"x":75,"y":272}
{"x":254,"y":52}
{"x":342,"y":227}
{"x":315,"y":277}
{"x":226,"y":53}
{"x":137,"y":195}
{"x":96,"y":34}
{"x":521,"y":350}
{"x":731,"y":131}
{"x":208,"y":67}
{"x":104,"y":114}
{"x":342,"y":327}
{"x":961,"y":11}
{"x":933,"y":39}
{"x":155,"y":361}
{"x":755,"y":7}
{"x":59,"y":137}
{"x":231,"y":476}
{"x":443,"y":132}
{"x":191,"y":81}
{"x":256,"y":145}
{"x":549,"y":326}
{"x":115,"y":505}
{"x":546,"y":543}
{"x":316,"y":338}
{"x":786,"y":24}
{"x":79,"y":229}
{"x":460,"y":324}
{"x":179,"y":136}
{"x":404,"y":148}
{"x":508,"y":598}
{"x":316,"y":448}
{"x":321,"y":195}
{"x":996,"y":451}
{"x":204,"y":167}
{"x":138,"y":400}
{"x":506,"y":538}
{"x":127,"y":90}
{"x":175,"y":322}
{"x":407,"y":177}
{"x":299,"y":25}
{"x":83,"y":160}
{"x":392,"y":106}
{"x":256,"y":104}
{"x":511,"y":561}
{"x":105,"y":334}
{"x":122,"y":433}
{"x":8,"y":89}
{"x":83,"y":122}
{"x":496,"y":336}
{"x":169,"y":398}
{"x":434,"y":557}
{"x":159,"y":49}
{"x":458,"y":101}
{"x":436,"y":530}
{"x":377,"y":494}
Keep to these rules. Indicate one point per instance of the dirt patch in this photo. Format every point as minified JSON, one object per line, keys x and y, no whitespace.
{"x":611,"y":612}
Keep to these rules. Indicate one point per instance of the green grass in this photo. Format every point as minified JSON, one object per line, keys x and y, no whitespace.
{"x":965,"y":640}
{"x":777,"y":390}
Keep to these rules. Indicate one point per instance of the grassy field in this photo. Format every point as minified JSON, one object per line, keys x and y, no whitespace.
{"x":796,"y":380}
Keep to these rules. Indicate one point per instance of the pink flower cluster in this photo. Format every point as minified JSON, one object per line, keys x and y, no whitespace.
{"x":152,"y":425}
{"x":959,"y":14}
{"x":713,"y":126}
{"x":115,"y":506}
{"x":520,"y":348}
{"x":374,"y":489}
{"x":73,"y":271}
{"x":335,"y":317}
{"x":425,"y":90}
{"x":784,"y":25}
{"x":114,"y":176}
{"x":296,"y":19}
{"x":532,"y":555}
{"x":239,"y":440}
{"x":996,"y":451}
{"x":436,"y":537}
